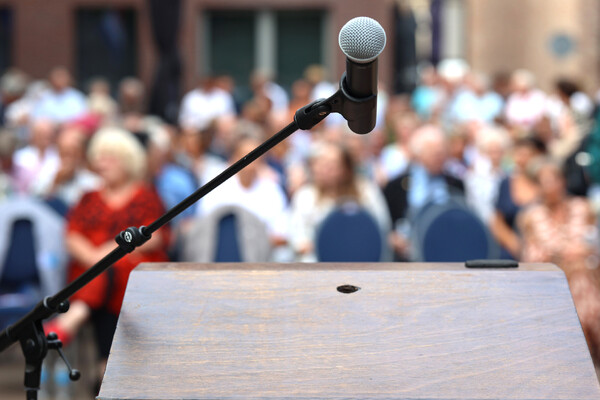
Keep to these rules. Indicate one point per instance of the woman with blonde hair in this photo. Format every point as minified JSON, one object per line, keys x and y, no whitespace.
{"x":122,"y":200}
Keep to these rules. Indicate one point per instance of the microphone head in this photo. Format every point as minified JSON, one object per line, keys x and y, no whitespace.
{"x":362,"y":39}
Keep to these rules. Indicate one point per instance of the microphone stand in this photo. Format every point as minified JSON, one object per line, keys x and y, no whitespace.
{"x":29,"y":330}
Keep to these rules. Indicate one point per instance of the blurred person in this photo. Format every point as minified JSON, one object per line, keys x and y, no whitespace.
{"x":452,"y":73}
{"x":424,"y":182}
{"x":428,"y":96}
{"x":569,"y":125}
{"x":61,"y":103}
{"x":195,"y":156}
{"x":257,"y":110}
{"x":366,"y":150}
{"x":132,"y":96}
{"x":72,"y":179}
{"x":544,"y":131}
{"x":18,"y":114}
{"x":334,"y":181}
{"x":263,"y":85}
{"x":396,"y":156}
{"x":459,"y":152}
{"x":322,"y":88}
{"x":475,"y":102}
{"x":560,"y":100}
{"x":252,"y":190}
{"x":100,"y":102}
{"x":316,"y":75}
{"x":516,"y":191}
{"x":501,"y":84}
{"x":13,"y":85}
{"x":173,"y":182}
{"x":562,"y":229}
{"x":122,"y":200}
{"x":135,"y":123}
{"x":204,"y":104}
{"x":301,"y":96}
{"x":8,"y":145}
{"x":483,"y":179}
{"x":558,"y":228}
{"x":227,"y":83}
{"x":526,"y":105}
{"x":220,"y":135}
{"x":363,"y":149}
{"x":582,"y":105}
{"x":37,"y":163}
{"x":398,"y":104}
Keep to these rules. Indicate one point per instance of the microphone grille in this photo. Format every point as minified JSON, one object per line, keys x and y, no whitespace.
{"x":362,"y":39}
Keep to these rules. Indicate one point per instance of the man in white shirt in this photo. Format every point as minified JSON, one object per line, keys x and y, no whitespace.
{"x":252,"y":191}
{"x":526,"y":105}
{"x":36,"y":164}
{"x":61,"y":103}
{"x":204,"y":104}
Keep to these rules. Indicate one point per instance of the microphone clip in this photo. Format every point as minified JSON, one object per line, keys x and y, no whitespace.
{"x":359,"y":112}
{"x":310,"y":115}
{"x":132,"y":237}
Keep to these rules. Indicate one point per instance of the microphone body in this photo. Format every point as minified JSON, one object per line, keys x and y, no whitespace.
{"x":361,"y":79}
{"x":362,"y":40}
{"x":360,"y":82}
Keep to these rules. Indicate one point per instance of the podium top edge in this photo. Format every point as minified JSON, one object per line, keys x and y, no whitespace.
{"x":397,"y":266}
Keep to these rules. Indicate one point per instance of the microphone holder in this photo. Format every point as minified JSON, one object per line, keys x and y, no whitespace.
{"x":29,"y":330}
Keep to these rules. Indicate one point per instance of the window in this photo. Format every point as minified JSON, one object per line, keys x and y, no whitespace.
{"x":300,"y":43}
{"x":6,"y":25}
{"x":230,"y":44}
{"x":106,"y":45}
{"x":282,"y":43}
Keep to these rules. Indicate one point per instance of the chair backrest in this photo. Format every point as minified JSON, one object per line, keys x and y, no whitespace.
{"x":20,"y":266}
{"x":227,"y":234}
{"x":451,"y":233}
{"x":227,"y":247}
{"x":349,"y":234}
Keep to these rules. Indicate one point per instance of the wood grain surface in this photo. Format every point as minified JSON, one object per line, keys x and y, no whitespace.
{"x":412,"y":331}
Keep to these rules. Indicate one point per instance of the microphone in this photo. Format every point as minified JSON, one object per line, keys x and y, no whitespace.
{"x":362,"y":39}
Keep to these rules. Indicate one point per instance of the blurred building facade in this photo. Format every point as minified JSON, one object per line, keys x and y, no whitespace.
{"x":113,"y":38}
{"x":551,"y":38}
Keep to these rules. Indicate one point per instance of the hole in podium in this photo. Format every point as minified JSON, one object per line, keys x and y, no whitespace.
{"x":347,"y":289}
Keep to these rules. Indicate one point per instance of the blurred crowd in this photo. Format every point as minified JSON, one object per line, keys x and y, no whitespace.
{"x":524,"y":160}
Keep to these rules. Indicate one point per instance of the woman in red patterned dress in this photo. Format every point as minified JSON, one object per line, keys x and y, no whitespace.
{"x":123,"y":200}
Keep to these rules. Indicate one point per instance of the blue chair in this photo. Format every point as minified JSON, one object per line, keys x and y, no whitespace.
{"x":228,"y":247}
{"x":19,"y":281}
{"x":451,"y":232}
{"x":349,"y":234}
{"x":226,"y":234}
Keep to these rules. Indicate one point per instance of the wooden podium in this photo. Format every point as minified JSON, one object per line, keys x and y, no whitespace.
{"x":412,"y":331}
